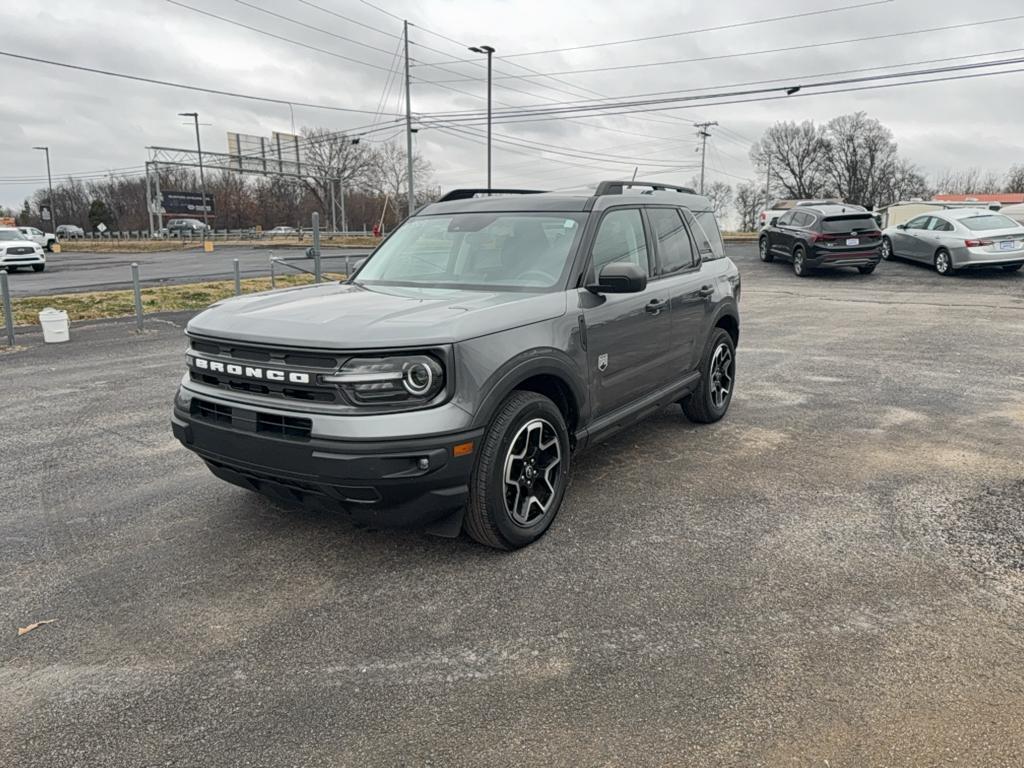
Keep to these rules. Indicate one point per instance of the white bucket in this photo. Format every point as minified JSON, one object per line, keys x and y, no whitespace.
{"x":55,"y":324}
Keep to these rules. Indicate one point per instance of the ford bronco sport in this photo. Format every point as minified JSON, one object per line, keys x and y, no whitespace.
{"x":449,"y":383}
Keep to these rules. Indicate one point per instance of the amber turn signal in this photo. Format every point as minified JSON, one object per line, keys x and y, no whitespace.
{"x":462,"y":449}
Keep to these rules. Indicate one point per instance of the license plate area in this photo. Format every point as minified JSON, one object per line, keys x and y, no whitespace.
{"x":1007,"y":245}
{"x":853,"y":241}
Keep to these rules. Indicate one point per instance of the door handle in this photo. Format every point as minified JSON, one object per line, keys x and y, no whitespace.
{"x":654,"y":306}
{"x":705,"y":291}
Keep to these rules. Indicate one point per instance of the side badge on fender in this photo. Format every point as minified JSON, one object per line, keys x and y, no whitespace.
{"x":602,"y":362}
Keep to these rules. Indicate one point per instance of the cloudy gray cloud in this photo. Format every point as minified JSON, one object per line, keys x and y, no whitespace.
{"x":93,"y":123}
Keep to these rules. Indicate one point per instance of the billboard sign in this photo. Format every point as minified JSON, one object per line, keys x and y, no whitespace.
{"x":281,"y":153}
{"x":185,"y":203}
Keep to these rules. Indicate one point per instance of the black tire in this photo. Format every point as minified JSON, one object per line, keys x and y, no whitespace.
{"x":887,"y":253}
{"x":944,"y":263}
{"x":703,"y":406}
{"x":867,"y":270}
{"x":799,"y":263}
{"x":49,"y":245}
{"x":489,"y":519}
{"x":38,"y":267}
{"x":1012,"y":267}
{"x":11,"y":269}
{"x":762,"y":250}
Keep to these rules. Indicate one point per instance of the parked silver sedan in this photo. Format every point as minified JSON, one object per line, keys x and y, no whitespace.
{"x":956,"y":239}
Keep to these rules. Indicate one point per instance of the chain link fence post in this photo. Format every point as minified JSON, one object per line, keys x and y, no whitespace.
{"x":238,"y":279}
{"x":5,"y":296}
{"x":273,"y":276}
{"x":138,"y":294}
{"x":316,"y":247}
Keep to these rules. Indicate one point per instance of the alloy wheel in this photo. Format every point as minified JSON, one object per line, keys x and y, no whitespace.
{"x":763,"y":249}
{"x":886,"y":249}
{"x":942,"y":265}
{"x":533,"y":470}
{"x":798,"y":262}
{"x":723,"y":372}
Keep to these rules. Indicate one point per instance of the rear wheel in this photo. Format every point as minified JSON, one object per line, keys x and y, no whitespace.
{"x":887,"y":249}
{"x":799,"y":262}
{"x":763,"y":252}
{"x":521,"y":473}
{"x":1012,"y":267}
{"x":944,"y":264}
{"x":711,"y":400}
{"x":49,"y":244}
{"x":866,"y":270}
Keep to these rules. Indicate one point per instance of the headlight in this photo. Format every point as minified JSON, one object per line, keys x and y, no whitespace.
{"x":409,"y":379}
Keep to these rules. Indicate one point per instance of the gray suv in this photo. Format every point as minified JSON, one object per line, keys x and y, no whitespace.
{"x":449,"y":383}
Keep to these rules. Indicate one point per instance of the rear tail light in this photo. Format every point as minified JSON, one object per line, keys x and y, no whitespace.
{"x":764,"y":217}
{"x":977,"y":243}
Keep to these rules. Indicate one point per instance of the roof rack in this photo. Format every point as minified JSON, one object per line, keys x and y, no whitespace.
{"x":618,"y":187}
{"x":466,"y":194}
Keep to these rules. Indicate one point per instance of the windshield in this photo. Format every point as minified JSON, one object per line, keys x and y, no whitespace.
{"x":482,"y":251}
{"x":989,"y":221}
{"x":11,"y":234}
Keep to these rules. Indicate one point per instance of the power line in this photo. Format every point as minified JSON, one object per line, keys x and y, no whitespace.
{"x":806,"y":46}
{"x":276,"y":36}
{"x":185,"y":86}
{"x":310,"y":26}
{"x":666,"y":35}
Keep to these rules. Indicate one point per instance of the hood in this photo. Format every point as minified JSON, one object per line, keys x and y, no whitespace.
{"x":338,"y":316}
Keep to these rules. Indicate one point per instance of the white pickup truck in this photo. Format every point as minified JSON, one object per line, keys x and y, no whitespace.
{"x":45,"y":239}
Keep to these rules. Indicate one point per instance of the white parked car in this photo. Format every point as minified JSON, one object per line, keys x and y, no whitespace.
{"x":961,"y":238}
{"x":45,"y":239}
{"x":16,"y":250}
{"x":282,"y":231}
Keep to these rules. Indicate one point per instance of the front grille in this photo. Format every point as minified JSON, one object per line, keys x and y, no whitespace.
{"x":284,"y":426}
{"x":204,"y":409}
{"x":313,"y":363}
{"x":20,"y":250}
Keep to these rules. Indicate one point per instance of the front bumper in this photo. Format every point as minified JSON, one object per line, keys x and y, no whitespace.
{"x":22,"y":260}
{"x":402,"y":482}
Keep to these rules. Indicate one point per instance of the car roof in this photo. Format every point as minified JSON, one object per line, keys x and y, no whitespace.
{"x":565,"y":203}
{"x":966,"y":213}
{"x":835,"y":210}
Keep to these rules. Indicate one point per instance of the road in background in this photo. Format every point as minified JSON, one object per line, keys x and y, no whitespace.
{"x":72,"y":272}
{"x":832,"y":575}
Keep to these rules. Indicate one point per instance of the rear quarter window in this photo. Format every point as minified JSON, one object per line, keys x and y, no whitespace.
{"x":708,"y":236}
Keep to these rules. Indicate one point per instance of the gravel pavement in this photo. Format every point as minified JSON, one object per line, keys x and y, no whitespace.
{"x":831,"y":576}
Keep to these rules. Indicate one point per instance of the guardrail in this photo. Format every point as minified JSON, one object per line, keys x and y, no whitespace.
{"x":301,"y":233}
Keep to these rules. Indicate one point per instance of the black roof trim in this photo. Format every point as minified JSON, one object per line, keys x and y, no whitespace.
{"x":469,"y":193}
{"x":618,"y":187}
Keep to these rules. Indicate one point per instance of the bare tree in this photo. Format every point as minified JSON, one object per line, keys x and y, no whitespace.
{"x":718,"y":192}
{"x":968,"y":181}
{"x":748,"y":201}
{"x":331,"y":157}
{"x":796,"y":155}
{"x":1015,"y":179}
{"x":860,"y":159}
{"x":390,"y":173}
{"x":904,"y":183}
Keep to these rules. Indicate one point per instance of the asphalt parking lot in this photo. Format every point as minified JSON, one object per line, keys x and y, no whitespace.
{"x":831,"y":576}
{"x":72,"y":271}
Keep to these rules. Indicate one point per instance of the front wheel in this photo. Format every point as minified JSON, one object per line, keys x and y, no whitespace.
{"x":887,"y":253}
{"x":944,"y":264}
{"x":1012,"y":267}
{"x":711,"y":399}
{"x":49,"y":245}
{"x":38,"y":267}
{"x":521,"y":473}
{"x":763,"y":252}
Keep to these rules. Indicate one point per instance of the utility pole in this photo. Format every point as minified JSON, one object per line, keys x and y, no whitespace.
{"x":408,"y":119}
{"x":768,"y":185}
{"x":202,"y":178}
{"x":490,"y":55}
{"x":703,"y":135}
{"x":49,"y":184}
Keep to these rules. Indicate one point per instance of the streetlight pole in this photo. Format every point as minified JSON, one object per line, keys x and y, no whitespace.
{"x":49,"y":184}
{"x":202,"y":178}
{"x":490,"y":54}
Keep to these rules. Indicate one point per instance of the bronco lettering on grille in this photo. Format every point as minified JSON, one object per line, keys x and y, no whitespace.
{"x":248,"y":371}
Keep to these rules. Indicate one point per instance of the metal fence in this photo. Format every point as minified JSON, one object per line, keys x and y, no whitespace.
{"x":215,"y":235}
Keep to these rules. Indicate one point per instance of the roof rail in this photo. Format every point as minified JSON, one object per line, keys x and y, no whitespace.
{"x":617,"y":187}
{"x":466,"y":194}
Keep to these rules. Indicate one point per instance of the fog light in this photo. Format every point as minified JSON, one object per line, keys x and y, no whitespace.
{"x":424,"y":463}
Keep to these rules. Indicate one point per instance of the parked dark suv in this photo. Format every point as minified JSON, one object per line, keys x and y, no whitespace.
{"x":451,"y":380}
{"x":823,"y":237}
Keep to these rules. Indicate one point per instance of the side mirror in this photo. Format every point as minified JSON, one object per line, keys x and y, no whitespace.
{"x":901,"y":226}
{"x":775,"y":221}
{"x":620,"y":277}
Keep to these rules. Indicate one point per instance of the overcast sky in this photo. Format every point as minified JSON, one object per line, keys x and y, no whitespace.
{"x":93,"y":123}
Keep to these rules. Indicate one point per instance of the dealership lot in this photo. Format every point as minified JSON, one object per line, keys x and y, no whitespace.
{"x":832,"y":573}
{"x":84,"y":271}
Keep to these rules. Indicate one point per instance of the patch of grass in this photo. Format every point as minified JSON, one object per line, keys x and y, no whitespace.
{"x":164,"y":298}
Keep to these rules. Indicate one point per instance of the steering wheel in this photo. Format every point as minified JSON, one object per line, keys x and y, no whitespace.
{"x":544,"y":276}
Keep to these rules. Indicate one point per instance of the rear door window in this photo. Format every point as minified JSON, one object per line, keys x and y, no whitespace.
{"x":707,"y":235}
{"x":675,"y":251}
